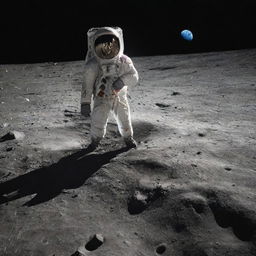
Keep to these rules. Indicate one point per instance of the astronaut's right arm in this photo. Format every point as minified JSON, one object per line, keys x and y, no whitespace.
{"x":90,"y":75}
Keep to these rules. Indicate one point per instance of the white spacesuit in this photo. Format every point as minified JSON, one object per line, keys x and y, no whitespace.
{"x":108,"y":74}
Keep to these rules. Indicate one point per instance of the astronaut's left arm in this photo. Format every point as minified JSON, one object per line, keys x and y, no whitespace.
{"x":130,"y":75}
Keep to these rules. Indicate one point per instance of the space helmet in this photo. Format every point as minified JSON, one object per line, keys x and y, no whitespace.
{"x":105,"y":43}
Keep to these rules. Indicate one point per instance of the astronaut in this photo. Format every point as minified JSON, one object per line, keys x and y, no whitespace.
{"x":108,"y":75}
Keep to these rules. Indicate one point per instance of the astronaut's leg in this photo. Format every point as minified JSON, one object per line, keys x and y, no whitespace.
{"x":123,"y":118}
{"x":99,"y":119}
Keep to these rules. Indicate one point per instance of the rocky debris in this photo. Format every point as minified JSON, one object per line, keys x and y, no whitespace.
{"x":137,"y":203}
{"x":5,"y":125}
{"x":163,"y":68}
{"x":8,"y":136}
{"x":12,"y":135}
{"x":162,"y":105}
{"x":68,"y":115}
{"x":95,"y":242}
{"x":77,"y":253}
{"x":176,"y":93}
{"x":140,"y":200}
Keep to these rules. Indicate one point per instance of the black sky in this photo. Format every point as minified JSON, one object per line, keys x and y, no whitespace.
{"x":35,"y":31}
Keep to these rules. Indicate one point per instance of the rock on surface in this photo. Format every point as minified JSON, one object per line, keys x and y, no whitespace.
{"x":13,"y":135}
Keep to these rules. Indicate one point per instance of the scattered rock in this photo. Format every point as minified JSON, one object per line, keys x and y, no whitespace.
{"x":8,"y":136}
{"x":137,"y":203}
{"x":140,"y":200}
{"x":68,"y":114}
{"x":163,"y":68}
{"x":77,"y":253}
{"x":176,"y":93}
{"x":95,"y":242}
{"x":162,"y":105}
{"x":13,"y":135}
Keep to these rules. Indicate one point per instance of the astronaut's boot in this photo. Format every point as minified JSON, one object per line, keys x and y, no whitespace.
{"x":130,"y":142}
{"x":94,"y":143}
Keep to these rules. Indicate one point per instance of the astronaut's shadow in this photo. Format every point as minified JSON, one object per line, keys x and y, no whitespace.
{"x":48,"y":182}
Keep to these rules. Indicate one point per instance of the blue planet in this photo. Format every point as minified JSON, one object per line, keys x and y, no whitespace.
{"x":187,"y":35}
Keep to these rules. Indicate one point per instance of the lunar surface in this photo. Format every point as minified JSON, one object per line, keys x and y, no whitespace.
{"x":189,"y":189}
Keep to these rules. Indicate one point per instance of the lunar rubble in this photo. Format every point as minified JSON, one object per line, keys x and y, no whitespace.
{"x":189,"y":189}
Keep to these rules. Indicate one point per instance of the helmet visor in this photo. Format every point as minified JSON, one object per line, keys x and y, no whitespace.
{"x":107,"y":46}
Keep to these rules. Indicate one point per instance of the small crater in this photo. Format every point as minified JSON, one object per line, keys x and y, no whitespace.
{"x":228,"y":169}
{"x":200,"y":134}
{"x":161,"y":249}
{"x":243,"y":226}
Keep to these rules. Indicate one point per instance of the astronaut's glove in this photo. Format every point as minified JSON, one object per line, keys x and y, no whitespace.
{"x":118,"y":84}
{"x":85,"y":109}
